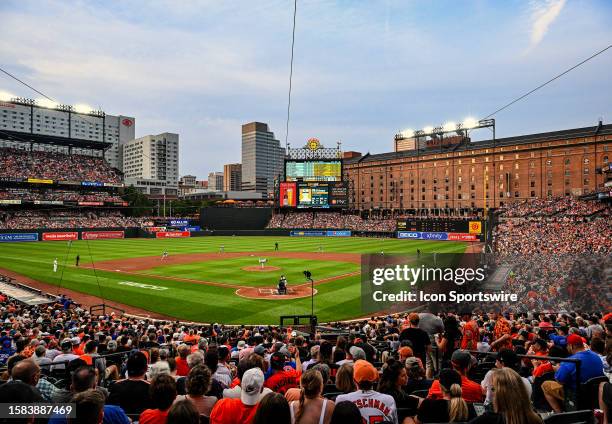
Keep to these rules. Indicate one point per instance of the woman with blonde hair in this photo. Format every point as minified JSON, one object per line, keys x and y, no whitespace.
{"x":344,"y":379}
{"x":312,"y":408}
{"x":451,"y":408}
{"x":511,"y":404}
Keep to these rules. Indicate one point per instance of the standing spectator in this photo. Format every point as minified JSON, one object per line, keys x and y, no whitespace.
{"x":501,"y":332}
{"x":471,"y":333}
{"x":372,"y":405}
{"x":421,"y":345}
{"x":242,"y":410}
{"x":163,"y":393}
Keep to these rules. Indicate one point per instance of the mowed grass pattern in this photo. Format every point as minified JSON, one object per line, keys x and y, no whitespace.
{"x":336,"y":300}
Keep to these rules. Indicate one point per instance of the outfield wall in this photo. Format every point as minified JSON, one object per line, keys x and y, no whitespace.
{"x":235,"y":218}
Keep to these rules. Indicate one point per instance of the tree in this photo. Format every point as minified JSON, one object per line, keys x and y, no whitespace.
{"x":139,"y":203}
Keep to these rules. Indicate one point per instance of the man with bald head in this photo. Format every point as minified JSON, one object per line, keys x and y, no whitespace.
{"x":28,"y":372}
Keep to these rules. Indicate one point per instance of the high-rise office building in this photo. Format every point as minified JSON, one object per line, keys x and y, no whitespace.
{"x":232,"y":177}
{"x":150,"y":163}
{"x":262,"y":158}
{"x":215,"y":181}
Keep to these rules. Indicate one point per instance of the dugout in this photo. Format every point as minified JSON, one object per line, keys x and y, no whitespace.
{"x":232,"y":218}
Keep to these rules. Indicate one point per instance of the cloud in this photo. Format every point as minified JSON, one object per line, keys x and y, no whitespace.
{"x":543,"y":15}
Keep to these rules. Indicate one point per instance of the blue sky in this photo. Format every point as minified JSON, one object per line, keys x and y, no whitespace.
{"x":363,"y":69}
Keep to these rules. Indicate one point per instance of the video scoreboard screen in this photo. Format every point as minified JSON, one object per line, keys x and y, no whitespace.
{"x":439,"y":225}
{"x":313,"y":171}
{"x":313,"y":195}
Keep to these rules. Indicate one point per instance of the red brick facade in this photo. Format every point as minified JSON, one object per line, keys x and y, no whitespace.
{"x":483,"y":174}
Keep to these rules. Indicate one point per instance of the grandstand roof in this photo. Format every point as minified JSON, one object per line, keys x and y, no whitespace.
{"x":500,"y":142}
{"x":51,"y":139}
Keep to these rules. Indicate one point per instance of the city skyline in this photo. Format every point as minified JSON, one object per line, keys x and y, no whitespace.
{"x":362,"y":71}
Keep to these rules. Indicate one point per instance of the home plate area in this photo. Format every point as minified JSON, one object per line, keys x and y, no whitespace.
{"x":271,"y":293}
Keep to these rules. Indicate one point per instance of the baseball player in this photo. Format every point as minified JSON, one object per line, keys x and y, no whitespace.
{"x":164,"y":255}
{"x":55,"y":265}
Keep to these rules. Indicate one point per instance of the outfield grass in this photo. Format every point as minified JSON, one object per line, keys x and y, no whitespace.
{"x":339,"y":299}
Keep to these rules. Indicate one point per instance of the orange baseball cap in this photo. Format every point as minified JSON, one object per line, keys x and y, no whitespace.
{"x":364,"y":371}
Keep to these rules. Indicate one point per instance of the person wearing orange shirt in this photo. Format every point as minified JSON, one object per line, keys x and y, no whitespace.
{"x":282,"y":378}
{"x":501,"y":332}
{"x":469,"y":340}
{"x":471,"y":391}
{"x":163,"y":393}
{"x":240,"y":410}
{"x":182,"y":369}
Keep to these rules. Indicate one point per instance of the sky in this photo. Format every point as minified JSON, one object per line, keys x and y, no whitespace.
{"x":363,"y":70}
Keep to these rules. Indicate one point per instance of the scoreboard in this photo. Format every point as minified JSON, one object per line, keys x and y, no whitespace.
{"x":440,"y":225}
{"x":313,"y":195}
{"x":313,"y":171}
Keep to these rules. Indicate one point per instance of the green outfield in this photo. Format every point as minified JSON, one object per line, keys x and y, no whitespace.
{"x":182,"y":291}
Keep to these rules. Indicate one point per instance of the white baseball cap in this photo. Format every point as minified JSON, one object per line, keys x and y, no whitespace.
{"x":251,"y":386}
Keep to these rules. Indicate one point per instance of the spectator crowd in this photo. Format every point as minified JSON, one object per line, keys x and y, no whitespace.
{"x":410,"y":368}
{"x":31,"y":219}
{"x":18,"y":163}
{"x":58,"y":195}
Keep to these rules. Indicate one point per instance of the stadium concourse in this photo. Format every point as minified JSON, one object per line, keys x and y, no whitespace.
{"x":467,"y":366}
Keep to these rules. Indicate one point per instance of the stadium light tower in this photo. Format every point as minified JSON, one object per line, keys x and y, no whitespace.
{"x":459,"y":128}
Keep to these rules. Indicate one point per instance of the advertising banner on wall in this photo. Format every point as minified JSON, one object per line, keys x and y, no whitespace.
{"x":12,"y":237}
{"x":60,"y":236}
{"x":98,"y":235}
{"x":288,"y":195}
{"x":178,"y":222}
{"x":421,"y":235}
{"x":172,"y":234}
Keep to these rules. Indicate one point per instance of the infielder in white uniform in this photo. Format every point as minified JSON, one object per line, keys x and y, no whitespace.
{"x":55,"y":265}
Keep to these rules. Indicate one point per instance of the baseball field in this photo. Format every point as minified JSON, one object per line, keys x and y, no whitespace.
{"x":208,"y":279}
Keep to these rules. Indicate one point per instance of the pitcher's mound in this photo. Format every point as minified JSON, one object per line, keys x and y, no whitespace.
{"x":272,"y":294}
{"x":260,"y":269}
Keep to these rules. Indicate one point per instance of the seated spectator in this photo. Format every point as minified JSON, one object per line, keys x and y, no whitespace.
{"x":28,"y":372}
{"x":470,"y":391}
{"x":41,"y":359}
{"x":183,"y":412}
{"x":163,"y":393}
{"x":416,"y":376}
{"x":346,"y":413}
{"x":198,"y":384}
{"x":506,"y":358}
{"x":273,"y":408}
{"x":242,"y":410}
{"x":182,"y":369}
{"x":392,"y":381}
{"x":451,"y":407}
{"x":372,"y":405}
{"x":66,"y":356}
{"x":89,"y":407}
{"x":344,"y":379}
{"x":311,"y":408}
{"x":565,"y":372}
{"x":282,"y":378}
{"x":511,"y":404}
{"x":132,"y":394}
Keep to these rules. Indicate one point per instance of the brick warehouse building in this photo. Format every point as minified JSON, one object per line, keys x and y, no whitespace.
{"x":461,"y":177}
